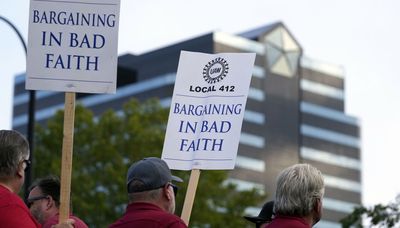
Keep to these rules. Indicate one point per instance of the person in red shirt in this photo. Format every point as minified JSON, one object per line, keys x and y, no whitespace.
{"x":14,"y":159}
{"x":44,"y":202}
{"x":298,"y":197}
{"x":151,"y":196}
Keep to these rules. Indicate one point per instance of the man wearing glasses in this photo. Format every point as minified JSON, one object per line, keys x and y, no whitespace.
{"x":14,"y":155}
{"x":44,"y":202}
{"x":151,"y":196}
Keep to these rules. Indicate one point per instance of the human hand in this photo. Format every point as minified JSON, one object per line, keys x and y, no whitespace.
{"x":69,"y":223}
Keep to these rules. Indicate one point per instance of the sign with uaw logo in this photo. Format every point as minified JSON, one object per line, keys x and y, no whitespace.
{"x":207,"y":110}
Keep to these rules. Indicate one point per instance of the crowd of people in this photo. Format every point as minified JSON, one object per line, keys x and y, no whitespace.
{"x":151,"y":194}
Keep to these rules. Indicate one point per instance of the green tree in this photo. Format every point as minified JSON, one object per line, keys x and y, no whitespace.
{"x":106,"y":146}
{"x":379,"y":215}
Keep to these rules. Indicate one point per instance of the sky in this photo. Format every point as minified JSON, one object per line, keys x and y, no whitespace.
{"x":361,"y":35}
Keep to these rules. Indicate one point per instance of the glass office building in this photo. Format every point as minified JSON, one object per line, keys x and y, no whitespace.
{"x":294,"y":113}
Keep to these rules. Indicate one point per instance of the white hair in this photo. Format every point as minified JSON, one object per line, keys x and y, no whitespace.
{"x":298,"y":189}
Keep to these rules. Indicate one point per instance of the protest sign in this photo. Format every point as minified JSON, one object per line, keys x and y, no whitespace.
{"x":72,"y":45}
{"x":207,"y":110}
{"x":206,"y":115}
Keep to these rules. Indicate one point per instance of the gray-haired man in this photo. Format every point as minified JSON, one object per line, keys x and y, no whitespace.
{"x":14,"y":159}
{"x":298,"y":198}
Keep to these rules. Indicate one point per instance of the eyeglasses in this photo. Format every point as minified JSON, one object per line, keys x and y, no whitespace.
{"x":27,"y":163}
{"x":30,"y":201}
{"x":174,"y":187}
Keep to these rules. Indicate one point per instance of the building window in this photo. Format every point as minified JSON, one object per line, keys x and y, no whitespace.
{"x":330,"y":158}
{"x":245,"y":185}
{"x":328,"y":113}
{"x":322,"y":89}
{"x":252,"y":140}
{"x":282,"y":52}
{"x":327,"y":68}
{"x":341,"y":183}
{"x":239,"y":42}
{"x":338,"y":205}
{"x":254,"y":117}
{"x":250,"y":163}
{"x":328,"y":135}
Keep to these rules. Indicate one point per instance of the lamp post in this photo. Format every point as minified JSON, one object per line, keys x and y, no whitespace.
{"x":31,"y":113}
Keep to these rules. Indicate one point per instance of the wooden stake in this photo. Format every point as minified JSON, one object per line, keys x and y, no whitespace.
{"x":190,"y":194}
{"x":67,"y":154}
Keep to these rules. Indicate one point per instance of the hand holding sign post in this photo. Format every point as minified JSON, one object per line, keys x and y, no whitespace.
{"x":206,"y":114}
{"x":72,"y":47}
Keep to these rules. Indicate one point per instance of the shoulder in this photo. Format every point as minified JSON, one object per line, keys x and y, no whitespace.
{"x":16,"y":214}
{"x":78,"y":222}
{"x":54,"y":220}
{"x":13,"y":211}
{"x":11,"y":201}
{"x":177,"y":224}
{"x":288,"y":222}
{"x":9,"y":198}
{"x":172,"y":221}
{"x":149,"y":219}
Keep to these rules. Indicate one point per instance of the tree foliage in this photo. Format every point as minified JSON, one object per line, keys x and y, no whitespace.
{"x":378,"y":215}
{"x":105,"y":147}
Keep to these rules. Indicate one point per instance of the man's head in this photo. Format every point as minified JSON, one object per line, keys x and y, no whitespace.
{"x":264,"y":217}
{"x":299,"y":192}
{"x":14,"y":155}
{"x":150,"y":180}
{"x":44,"y":198}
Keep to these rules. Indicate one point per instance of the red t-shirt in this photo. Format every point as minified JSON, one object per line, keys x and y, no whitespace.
{"x":147,"y":215}
{"x":288,"y":222}
{"x":54,"y":220}
{"x":13,"y":211}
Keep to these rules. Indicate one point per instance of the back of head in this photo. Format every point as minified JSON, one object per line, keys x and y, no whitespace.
{"x":146,"y":177}
{"x":13,"y":148}
{"x":149,"y":174}
{"x":49,"y":186}
{"x":298,"y":189}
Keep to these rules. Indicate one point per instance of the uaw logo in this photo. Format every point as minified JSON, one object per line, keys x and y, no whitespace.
{"x":215,"y":70}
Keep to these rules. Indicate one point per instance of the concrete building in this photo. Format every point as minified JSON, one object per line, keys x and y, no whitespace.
{"x":294,"y":113}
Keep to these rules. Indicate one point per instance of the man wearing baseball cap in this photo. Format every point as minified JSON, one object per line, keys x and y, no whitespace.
{"x":151,"y":196}
{"x":264,"y":217}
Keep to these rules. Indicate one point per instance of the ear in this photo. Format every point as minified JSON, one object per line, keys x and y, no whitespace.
{"x":317,"y":210}
{"x":167,"y":192}
{"x":319,"y":206}
{"x":50,"y":203}
{"x":21,"y":170}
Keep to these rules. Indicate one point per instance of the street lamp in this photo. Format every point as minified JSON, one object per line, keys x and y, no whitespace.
{"x":31,"y":113}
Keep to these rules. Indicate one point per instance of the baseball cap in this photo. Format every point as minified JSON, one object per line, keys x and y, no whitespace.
{"x":152,"y":172}
{"x":266,"y":214}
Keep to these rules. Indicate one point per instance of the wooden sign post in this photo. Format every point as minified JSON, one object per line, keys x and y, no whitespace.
{"x":67,"y":155}
{"x":190,"y":195}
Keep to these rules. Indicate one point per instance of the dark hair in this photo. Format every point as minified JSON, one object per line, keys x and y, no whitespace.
{"x":13,"y":148}
{"x":49,"y":186}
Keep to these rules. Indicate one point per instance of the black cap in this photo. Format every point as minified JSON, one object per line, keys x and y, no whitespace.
{"x":152,"y":172}
{"x":266,"y":214}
